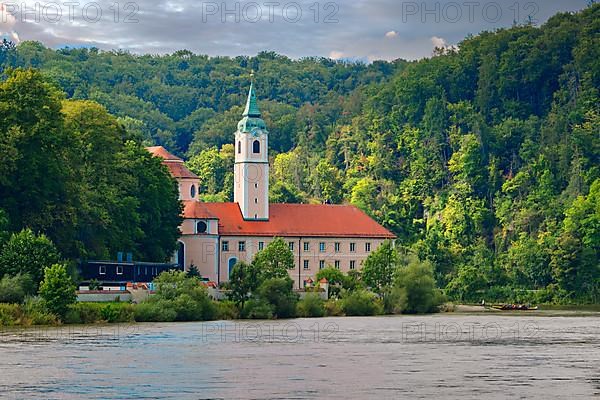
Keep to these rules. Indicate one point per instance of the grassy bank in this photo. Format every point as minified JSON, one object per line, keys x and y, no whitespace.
{"x":33,"y":313}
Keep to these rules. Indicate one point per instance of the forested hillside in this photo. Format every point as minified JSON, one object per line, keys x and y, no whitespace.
{"x":168,"y":99}
{"x":484,"y":160}
{"x":487,"y":159}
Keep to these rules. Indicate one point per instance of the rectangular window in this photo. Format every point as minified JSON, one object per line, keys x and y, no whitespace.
{"x":352,"y":247}
{"x":119,"y":270}
{"x":322,"y":247}
{"x":321,"y":264}
{"x":352,"y":264}
{"x":242,"y":246}
{"x":102,"y":270}
{"x":337,"y":247}
{"x":306,"y":246}
{"x":337,"y":264}
{"x":261,"y":245}
{"x":225,"y":246}
{"x":306,"y":266}
{"x":367,"y":247}
{"x":291,"y":244}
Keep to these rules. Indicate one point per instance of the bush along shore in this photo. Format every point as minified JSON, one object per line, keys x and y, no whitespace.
{"x":392,"y":281}
{"x":388,"y":284}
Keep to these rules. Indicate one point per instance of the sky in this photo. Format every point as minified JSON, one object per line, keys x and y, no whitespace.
{"x":364,"y":30}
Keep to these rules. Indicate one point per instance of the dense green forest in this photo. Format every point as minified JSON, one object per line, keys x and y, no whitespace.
{"x":178,"y":99}
{"x":485,"y":160}
{"x":72,"y":173}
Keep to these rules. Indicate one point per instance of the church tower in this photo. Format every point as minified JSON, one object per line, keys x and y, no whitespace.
{"x":251,"y":181}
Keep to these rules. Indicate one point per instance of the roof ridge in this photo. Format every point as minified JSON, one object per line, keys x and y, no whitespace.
{"x":292,"y":219}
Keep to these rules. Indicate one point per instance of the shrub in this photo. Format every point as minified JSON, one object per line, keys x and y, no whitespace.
{"x":361,"y":303}
{"x":279,"y":294}
{"x":395,"y":301}
{"x":10,"y":314}
{"x":89,"y":313}
{"x":95,"y":285}
{"x":333,"y":308}
{"x":227,"y":310}
{"x":417,"y":280}
{"x":117,"y":312}
{"x":14,"y":289}
{"x":83,"y":313}
{"x":311,"y":306}
{"x":181,"y":294}
{"x":194,"y":307}
{"x":57,"y":290}
{"x":27,"y":253}
{"x":154,"y":311}
{"x":257,"y":309}
{"x":36,"y":313}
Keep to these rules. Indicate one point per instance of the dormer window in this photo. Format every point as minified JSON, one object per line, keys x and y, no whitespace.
{"x":193,"y":191}
{"x":201,"y":227}
{"x":256,"y":147}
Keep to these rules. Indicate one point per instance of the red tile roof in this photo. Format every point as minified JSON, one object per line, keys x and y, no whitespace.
{"x":179,"y":170}
{"x":175,"y":164}
{"x":159,"y":151}
{"x":298,"y":220}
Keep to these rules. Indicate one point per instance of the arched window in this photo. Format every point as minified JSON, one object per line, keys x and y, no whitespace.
{"x":180,"y":255}
{"x":239,"y":147}
{"x":193,"y":191}
{"x":256,"y":147}
{"x":230,"y":264}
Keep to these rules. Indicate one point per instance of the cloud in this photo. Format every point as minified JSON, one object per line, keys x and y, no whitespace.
{"x":7,"y":23}
{"x":440,"y":43}
{"x":352,"y":29}
{"x":336,"y":55}
{"x":7,"y":20}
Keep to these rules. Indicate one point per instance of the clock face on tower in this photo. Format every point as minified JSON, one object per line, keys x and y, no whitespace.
{"x":255,"y":131}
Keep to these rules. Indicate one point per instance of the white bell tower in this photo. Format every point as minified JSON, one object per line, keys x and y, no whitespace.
{"x":251,"y":181}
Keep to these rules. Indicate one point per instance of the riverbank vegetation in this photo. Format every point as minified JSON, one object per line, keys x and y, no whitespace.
{"x":180,"y":296}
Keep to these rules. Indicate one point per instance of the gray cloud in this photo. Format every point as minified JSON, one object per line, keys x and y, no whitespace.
{"x":361,"y":29}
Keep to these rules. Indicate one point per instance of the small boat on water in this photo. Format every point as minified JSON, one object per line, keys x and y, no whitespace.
{"x":514,"y":307}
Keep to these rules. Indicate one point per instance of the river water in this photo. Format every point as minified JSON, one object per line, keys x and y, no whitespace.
{"x":446,"y":356}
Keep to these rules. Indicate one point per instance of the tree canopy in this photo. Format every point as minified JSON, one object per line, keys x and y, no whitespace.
{"x":72,"y":172}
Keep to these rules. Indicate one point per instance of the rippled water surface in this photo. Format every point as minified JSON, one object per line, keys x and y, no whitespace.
{"x":446,"y":356}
